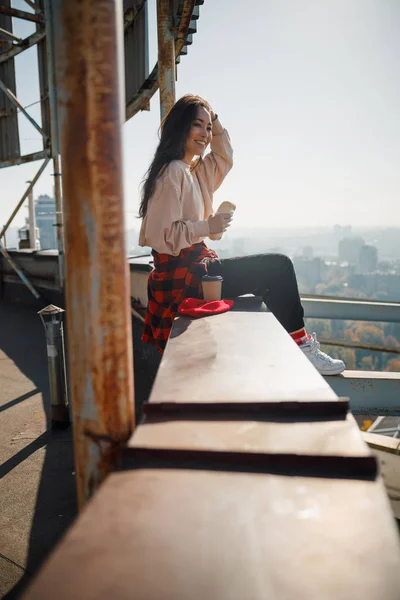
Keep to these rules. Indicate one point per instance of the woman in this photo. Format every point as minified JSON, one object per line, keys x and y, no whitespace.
{"x":177,"y":213}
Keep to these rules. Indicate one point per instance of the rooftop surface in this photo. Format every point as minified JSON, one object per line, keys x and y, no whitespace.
{"x":37,"y":489}
{"x":37,"y":486}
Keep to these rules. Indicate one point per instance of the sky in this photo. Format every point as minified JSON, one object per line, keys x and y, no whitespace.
{"x":309,"y":92}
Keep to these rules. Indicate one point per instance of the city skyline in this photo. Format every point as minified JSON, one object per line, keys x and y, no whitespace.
{"x":310,"y":97}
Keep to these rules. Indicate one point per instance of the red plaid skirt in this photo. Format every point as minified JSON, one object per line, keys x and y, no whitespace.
{"x":173,"y":279}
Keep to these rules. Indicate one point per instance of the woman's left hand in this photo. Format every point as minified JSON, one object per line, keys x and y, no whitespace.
{"x":213,"y":115}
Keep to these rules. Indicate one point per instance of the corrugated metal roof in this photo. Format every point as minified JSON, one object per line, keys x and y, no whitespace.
{"x":9,"y":135}
{"x":136,"y":46}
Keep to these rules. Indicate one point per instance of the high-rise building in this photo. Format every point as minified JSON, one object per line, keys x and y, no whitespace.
{"x":349,"y":249}
{"x":367,"y":259}
{"x":45,"y":210}
{"x":309,"y":271}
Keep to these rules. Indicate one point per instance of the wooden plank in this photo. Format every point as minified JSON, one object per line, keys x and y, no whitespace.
{"x":382,"y":442}
{"x":171,"y":535}
{"x":339,"y":437}
{"x":235,"y":357}
{"x":318,"y":449}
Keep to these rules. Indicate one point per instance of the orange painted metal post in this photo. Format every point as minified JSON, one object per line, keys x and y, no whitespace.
{"x":166,"y":56}
{"x":88,"y":49}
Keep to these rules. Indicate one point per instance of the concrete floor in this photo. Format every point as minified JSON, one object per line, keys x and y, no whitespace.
{"x":37,"y":488}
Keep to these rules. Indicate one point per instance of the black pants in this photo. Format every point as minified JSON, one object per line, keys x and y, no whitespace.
{"x":271,"y":276}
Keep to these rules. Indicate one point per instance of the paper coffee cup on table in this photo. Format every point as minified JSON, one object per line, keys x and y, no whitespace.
{"x":225,"y":207}
{"x":212,"y":287}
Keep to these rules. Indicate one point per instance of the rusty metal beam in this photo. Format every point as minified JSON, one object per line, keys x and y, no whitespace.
{"x":20,"y":14}
{"x":166,"y":56}
{"x":186,"y":16}
{"x":131,"y":14}
{"x":88,"y":51}
{"x":32,"y":5}
{"x":145,"y":94}
{"x":24,"y":45}
{"x":22,"y":160}
{"x":150,"y":86}
{"x":18,"y":271}
{"x":24,"y":197}
{"x":11,"y":96}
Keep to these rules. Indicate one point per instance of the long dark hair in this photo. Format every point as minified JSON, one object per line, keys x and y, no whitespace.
{"x":173,"y":134}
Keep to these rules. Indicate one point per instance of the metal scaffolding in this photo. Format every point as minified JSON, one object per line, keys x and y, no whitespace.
{"x":49,"y":135}
{"x":79,"y":49}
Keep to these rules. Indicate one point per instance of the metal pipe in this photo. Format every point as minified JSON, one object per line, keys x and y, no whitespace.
{"x":88,"y":55}
{"x":24,"y":45}
{"x":359,"y":345}
{"x":375,"y":424}
{"x":24,"y":197}
{"x":59,"y":219}
{"x":52,"y":319}
{"x":54,"y":136}
{"x":32,"y":220}
{"x":166,"y":57}
{"x":18,"y":271}
{"x":317,"y":307}
{"x":20,"y":14}
{"x":15,"y":101}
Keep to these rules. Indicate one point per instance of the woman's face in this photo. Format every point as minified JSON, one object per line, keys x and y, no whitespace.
{"x":199,"y":134}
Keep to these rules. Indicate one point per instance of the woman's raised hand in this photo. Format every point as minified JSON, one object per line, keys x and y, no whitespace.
{"x":213,"y":115}
{"x":219,"y":222}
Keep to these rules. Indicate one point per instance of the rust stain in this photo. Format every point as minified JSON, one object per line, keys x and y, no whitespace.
{"x":166,"y":56}
{"x":97,"y":285}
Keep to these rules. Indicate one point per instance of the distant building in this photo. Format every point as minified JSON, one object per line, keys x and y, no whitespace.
{"x":45,"y":210}
{"x":308,"y":252}
{"x":367,"y":259}
{"x":310,"y":271}
{"x":349,"y":249}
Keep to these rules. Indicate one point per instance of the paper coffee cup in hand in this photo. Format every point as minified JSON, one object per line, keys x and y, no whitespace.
{"x":225,"y":207}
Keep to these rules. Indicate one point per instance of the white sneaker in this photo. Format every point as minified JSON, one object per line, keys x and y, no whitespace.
{"x":321,"y":361}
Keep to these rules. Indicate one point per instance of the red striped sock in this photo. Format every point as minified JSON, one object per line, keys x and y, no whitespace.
{"x":300,"y":337}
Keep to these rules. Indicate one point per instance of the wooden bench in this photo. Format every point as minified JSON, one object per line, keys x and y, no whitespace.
{"x":247,"y":480}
